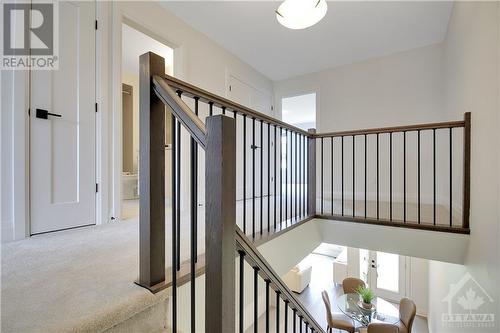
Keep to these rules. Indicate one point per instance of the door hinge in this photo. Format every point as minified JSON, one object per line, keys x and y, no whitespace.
{"x":95,"y":24}
{"x":29,"y":112}
{"x":230,"y":88}
{"x":96,"y":187}
{"x":95,"y":107}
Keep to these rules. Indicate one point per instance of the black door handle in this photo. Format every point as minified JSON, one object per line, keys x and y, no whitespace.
{"x":44,"y":114}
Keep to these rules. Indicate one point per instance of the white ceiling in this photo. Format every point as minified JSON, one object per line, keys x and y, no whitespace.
{"x":350,"y":32}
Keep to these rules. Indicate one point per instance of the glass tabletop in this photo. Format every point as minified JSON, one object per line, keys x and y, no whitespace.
{"x":383,"y":311}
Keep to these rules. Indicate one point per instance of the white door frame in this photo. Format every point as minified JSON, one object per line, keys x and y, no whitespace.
{"x":373,"y":274}
{"x":140,"y":24}
{"x":404,"y":276}
{"x":312,"y":89}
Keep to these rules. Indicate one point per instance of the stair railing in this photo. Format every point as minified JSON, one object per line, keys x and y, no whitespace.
{"x":223,"y":238}
{"x":415,"y":176}
{"x":269,"y":180}
{"x":274,"y":186}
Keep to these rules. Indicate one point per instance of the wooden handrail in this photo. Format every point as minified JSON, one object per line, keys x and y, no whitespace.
{"x":253,"y":256}
{"x":182,"y":112}
{"x":208,"y":97}
{"x":392,"y":129}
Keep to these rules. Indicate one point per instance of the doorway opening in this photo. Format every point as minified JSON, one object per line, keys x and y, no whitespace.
{"x":135,"y":43}
{"x":299,"y":111}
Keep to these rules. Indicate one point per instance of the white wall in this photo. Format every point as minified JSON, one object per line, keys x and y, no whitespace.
{"x":471,"y":81}
{"x":200,"y":61}
{"x":409,"y":242}
{"x":418,"y":284}
{"x":402,"y":88}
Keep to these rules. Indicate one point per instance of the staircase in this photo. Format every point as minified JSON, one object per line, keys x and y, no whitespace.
{"x":254,"y":189}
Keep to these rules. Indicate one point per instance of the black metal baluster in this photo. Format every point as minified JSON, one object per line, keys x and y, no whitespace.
{"x":174,"y":225}
{"x":342,"y":172}
{"x":235,"y":116}
{"x":434,"y":174}
{"x":451,"y":176}
{"x":296,"y":184}
{"x":277,"y":311}
{"x":253,"y":178}
{"x":255,"y":299}
{"x":418,"y":176}
{"x":307,"y":326}
{"x":404,"y":176}
{"x":291,"y":177}
{"x":286,"y":316}
{"x":353,"y":175}
{"x":300,"y":324}
{"x":267,"y":305}
{"x":261,"y":176}
{"x":178,"y":207}
{"x":244,"y":173}
{"x":268,"y":177}
{"x":378,"y":182}
{"x":275,"y":175}
{"x":321,"y":179}
{"x":286,"y":177}
{"x":294,"y":321}
{"x":194,"y":218}
{"x":304,"y":174}
{"x":223,"y":110}
{"x":281,"y":176}
{"x":290,"y":166}
{"x":299,"y":203}
{"x":210,"y":108}
{"x":331,"y":176}
{"x":390,"y":176}
{"x":301,"y":175}
{"x":242,"y":289}
{"x":366,"y":149}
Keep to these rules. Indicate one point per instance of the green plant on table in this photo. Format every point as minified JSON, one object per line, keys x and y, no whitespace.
{"x":366,"y":294}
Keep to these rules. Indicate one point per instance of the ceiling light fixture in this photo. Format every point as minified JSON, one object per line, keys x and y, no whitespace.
{"x":301,"y":14}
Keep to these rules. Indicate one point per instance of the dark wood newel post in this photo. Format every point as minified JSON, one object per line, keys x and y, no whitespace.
{"x":466,"y":190}
{"x":151,"y":175}
{"x":311,"y":174}
{"x":220,"y":248}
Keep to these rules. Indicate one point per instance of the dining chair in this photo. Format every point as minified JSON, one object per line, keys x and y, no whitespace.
{"x":407,"y":312}
{"x":350,"y":285}
{"x":336,"y":323}
{"x":379,"y":328}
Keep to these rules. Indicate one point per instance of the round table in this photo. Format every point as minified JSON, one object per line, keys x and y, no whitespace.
{"x":382,"y":311}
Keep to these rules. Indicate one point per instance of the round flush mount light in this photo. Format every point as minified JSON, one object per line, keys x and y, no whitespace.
{"x":301,"y":14}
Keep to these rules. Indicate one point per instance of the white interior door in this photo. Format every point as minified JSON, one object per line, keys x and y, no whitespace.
{"x":62,"y":149}
{"x":385,"y":273}
{"x":246,"y":95}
